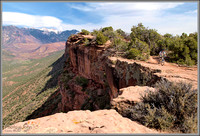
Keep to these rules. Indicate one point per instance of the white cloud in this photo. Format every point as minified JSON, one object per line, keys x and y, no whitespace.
{"x":192,"y":11}
{"x":114,"y":7}
{"x":21,"y":19}
{"x":152,"y":14}
{"x":177,"y":24}
{"x":119,"y":15}
{"x":15,"y":18}
{"x":173,"y":23}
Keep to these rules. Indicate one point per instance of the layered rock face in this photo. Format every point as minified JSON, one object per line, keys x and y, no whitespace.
{"x":91,"y":78}
{"x":123,"y":74}
{"x":85,"y":87}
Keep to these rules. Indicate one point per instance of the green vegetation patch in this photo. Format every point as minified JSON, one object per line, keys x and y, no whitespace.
{"x":133,"y":53}
{"x":86,"y":42}
{"x":101,"y":39}
{"x":36,"y":81}
{"x":85,"y":32}
{"x":172,"y":107}
{"x":180,"y":49}
{"x":82,"y":81}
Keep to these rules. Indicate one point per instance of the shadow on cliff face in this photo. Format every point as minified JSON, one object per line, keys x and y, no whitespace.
{"x":54,"y":73}
{"x":50,"y":106}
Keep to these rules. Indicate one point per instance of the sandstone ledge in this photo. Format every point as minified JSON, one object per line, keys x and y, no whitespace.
{"x":169,"y":71}
{"x":128,"y":98}
{"x":101,"y":121}
{"x":133,"y":93}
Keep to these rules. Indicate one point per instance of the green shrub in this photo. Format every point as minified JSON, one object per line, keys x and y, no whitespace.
{"x":194,"y":56}
{"x":95,"y":32}
{"x":86,"y":42}
{"x":153,"y":117}
{"x":142,"y":47}
{"x":180,"y":47}
{"x":120,"y":45}
{"x":107,"y":29}
{"x":181,"y":62}
{"x":82,"y":81}
{"x":85,"y":32}
{"x":101,"y":39}
{"x":111,"y":34}
{"x":65,"y":77}
{"x":114,"y":62}
{"x":121,"y":32}
{"x":190,"y":124}
{"x":108,"y":32}
{"x":133,"y":54}
{"x":189,"y":61}
{"x":146,"y":35}
{"x":183,"y":47}
{"x":172,"y":107}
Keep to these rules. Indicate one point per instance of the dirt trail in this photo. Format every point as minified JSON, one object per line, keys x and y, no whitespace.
{"x":171,"y":71}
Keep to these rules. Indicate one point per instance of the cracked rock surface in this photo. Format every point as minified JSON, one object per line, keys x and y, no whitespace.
{"x":101,"y":121}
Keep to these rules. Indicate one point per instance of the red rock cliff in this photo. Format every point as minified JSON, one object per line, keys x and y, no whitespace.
{"x":86,"y":86}
{"x":91,"y":78}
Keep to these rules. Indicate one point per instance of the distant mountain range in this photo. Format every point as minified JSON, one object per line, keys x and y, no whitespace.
{"x":31,"y":42}
{"x":14,"y":34}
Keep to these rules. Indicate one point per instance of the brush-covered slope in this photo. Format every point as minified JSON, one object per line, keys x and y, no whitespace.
{"x":28,"y":84}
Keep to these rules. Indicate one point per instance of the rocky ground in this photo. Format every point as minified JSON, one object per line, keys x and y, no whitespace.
{"x":170,"y":71}
{"x":101,"y":121}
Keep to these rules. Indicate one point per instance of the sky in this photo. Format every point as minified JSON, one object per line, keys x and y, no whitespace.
{"x":165,"y":17}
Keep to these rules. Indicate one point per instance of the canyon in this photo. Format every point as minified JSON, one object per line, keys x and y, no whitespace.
{"x":96,"y":85}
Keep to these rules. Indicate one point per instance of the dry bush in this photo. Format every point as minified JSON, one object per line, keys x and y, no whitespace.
{"x":172,"y":107}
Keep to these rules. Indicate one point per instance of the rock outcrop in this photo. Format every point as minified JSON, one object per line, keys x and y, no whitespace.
{"x":122,"y":74}
{"x":101,"y":121}
{"x":103,"y":75}
{"x":83,"y":83}
{"x":128,"y":99}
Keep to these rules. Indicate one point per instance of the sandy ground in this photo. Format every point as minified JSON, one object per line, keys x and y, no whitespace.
{"x":171,"y":71}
